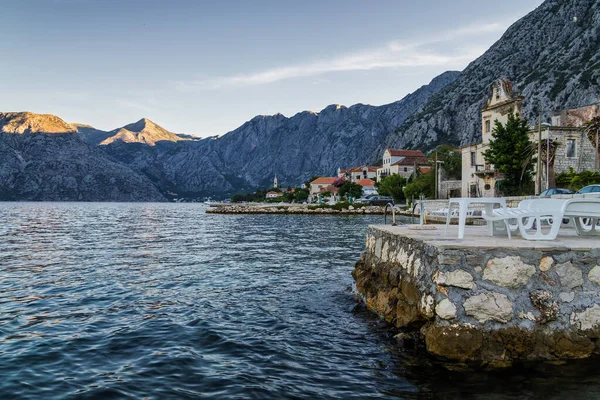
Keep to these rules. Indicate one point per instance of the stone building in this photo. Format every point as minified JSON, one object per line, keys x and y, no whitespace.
{"x":358,"y":173}
{"x":401,"y":162}
{"x":479,"y":177}
{"x":567,"y":128}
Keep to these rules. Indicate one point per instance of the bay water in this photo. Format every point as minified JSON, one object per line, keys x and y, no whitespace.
{"x":151,"y":300}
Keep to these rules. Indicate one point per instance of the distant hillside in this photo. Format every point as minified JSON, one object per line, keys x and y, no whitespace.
{"x":552,"y":56}
{"x":144,"y":131}
{"x":43,"y":158}
{"x":294,"y":148}
{"x":27,"y":122}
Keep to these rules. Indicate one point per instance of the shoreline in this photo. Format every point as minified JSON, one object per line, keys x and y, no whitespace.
{"x":292,"y":209}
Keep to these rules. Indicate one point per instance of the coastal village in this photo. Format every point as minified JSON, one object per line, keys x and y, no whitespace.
{"x":565,"y":146}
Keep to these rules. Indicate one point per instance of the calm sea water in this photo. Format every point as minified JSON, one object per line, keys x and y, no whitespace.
{"x":164,"y":301}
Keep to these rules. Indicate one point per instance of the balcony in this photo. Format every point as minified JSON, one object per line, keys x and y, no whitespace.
{"x":487,"y":169}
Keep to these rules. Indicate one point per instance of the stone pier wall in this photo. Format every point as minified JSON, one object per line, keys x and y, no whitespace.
{"x":488,"y":304}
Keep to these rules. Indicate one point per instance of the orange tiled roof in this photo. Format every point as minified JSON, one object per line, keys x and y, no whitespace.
{"x":324,"y":180}
{"x":366,"y":182}
{"x":406,"y":153}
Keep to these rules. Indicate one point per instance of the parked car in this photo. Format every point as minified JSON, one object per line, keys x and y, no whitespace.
{"x":553,"y":191}
{"x":364,"y":199}
{"x":380,"y":200}
{"x":589,"y":189}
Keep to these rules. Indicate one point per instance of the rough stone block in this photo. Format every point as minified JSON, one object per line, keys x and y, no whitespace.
{"x":489,"y":306}
{"x":445,"y":309}
{"x":459,"y":278}
{"x":546,"y":263}
{"x":594,"y":275}
{"x":508,"y":271}
{"x":587,"y":319}
{"x":449,"y":259}
{"x":567,"y":297}
{"x":570,"y":276}
{"x":542,"y":300}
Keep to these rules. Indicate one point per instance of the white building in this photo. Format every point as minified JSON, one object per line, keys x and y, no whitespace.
{"x":479,"y":177}
{"x":401,"y":162}
{"x":368,"y":186}
{"x":357,"y":173}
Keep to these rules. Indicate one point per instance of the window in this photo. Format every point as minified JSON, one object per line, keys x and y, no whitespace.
{"x":405,"y":169}
{"x":487,"y":126}
{"x":487,"y":186}
{"x":473,"y":158}
{"x":570,"y":148}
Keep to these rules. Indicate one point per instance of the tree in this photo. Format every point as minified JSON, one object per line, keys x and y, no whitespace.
{"x":451,"y":160}
{"x":300,"y":195}
{"x":392,"y":185}
{"x":350,"y":189}
{"x":422,"y":184}
{"x":508,"y":153}
{"x":593,"y":132}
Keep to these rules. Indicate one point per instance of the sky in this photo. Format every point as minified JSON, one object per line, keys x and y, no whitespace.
{"x":206,"y":67}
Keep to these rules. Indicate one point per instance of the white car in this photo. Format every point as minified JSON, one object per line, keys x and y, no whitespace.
{"x":595,"y":189}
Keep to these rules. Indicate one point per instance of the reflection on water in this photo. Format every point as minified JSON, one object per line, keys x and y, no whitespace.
{"x":164,"y":301}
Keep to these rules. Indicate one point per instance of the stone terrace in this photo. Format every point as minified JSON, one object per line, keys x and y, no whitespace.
{"x":485,"y":299}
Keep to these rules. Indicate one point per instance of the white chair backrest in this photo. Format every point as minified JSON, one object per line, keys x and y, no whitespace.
{"x":524,"y":204}
{"x":582,"y":208}
{"x":546,"y":204}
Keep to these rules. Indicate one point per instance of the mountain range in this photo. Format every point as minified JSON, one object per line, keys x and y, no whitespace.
{"x":552,"y":56}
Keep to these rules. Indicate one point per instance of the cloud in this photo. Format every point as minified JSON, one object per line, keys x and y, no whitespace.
{"x":394,"y":54}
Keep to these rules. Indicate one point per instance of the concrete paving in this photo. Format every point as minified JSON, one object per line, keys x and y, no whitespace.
{"x":478,"y":237}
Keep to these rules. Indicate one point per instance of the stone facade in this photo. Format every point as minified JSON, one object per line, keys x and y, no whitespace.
{"x":449,"y":189}
{"x":493,"y":304}
{"x":567,"y":128}
{"x":479,"y":177}
{"x":402,"y":162}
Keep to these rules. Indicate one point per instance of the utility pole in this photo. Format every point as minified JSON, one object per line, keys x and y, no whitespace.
{"x":597,"y":163}
{"x":436,"y":176}
{"x":538,"y":175}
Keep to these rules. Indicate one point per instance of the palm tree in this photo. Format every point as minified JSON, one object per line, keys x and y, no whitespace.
{"x":593,"y":131}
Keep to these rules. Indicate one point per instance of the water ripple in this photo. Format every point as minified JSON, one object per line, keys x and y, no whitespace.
{"x":164,"y":301}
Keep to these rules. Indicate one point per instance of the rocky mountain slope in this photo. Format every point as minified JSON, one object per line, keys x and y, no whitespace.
{"x":143,"y":131}
{"x":294,"y":148}
{"x":43,"y":158}
{"x":552,"y":56}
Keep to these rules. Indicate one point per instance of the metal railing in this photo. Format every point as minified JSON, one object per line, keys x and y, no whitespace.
{"x":393,"y":214}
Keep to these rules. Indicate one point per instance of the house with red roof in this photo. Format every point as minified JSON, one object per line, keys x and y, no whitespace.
{"x":401,"y":162}
{"x":368,"y":186}
{"x":355,"y":174}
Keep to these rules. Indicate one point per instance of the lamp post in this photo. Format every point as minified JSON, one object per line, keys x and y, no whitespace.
{"x":538,"y":176}
{"x":547,"y":125}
